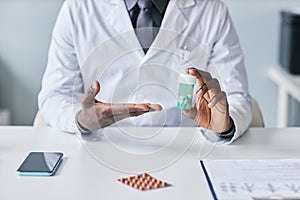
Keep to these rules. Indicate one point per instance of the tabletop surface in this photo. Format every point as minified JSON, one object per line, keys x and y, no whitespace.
{"x":93,"y":164}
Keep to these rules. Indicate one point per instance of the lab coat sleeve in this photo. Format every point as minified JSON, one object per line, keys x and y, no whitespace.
{"x":228,"y":62}
{"x":62,"y":87}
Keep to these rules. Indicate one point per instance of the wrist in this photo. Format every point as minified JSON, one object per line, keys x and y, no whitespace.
{"x":230,"y":132}
{"x":229,"y":126}
{"x":80,"y":126}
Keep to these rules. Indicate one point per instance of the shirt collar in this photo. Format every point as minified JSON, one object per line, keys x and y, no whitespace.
{"x":130,"y":4}
{"x":160,"y":4}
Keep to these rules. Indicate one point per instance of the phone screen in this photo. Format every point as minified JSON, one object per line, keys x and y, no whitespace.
{"x":40,"y":163}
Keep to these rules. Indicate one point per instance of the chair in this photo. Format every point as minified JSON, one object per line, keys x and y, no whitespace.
{"x":257,"y":118}
{"x":39,"y":121}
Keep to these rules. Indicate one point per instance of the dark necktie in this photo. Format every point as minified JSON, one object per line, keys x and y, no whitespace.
{"x":144,"y":24}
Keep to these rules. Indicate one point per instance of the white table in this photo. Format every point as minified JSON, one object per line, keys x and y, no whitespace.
{"x":82,"y":177}
{"x":288,"y":84}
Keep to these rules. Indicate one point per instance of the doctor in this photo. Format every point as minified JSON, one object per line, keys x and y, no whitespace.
{"x":135,"y":49}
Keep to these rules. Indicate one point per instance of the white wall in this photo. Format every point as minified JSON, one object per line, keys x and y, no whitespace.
{"x":25,"y":30}
{"x":258,"y":25}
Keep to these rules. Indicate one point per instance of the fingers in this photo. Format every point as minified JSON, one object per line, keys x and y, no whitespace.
{"x":89,"y":97}
{"x":202,"y":76}
{"x":215,"y":94}
{"x":202,"y":91}
{"x":117,"y":109}
{"x":116,"y":112}
{"x":108,"y":110}
{"x":212,"y":87}
{"x":220,"y":97}
{"x":155,"y":107}
{"x":208,"y":85}
{"x":117,"y":117}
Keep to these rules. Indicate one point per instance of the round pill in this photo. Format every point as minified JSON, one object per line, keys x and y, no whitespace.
{"x":141,"y":188}
{"x":164,"y":184}
{"x":149,"y":187}
{"x":122,"y":180}
{"x":144,"y":184}
{"x":153,"y":181}
{"x":151,"y":184}
{"x":142,"y":179}
{"x":137,"y":176}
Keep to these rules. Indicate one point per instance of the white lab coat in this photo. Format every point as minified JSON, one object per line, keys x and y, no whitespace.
{"x":94,"y":40}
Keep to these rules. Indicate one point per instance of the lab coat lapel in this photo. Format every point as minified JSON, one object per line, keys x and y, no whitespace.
{"x":173,"y":25}
{"x":118,"y":18}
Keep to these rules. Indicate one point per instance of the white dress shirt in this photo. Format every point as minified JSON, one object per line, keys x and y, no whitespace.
{"x":95,"y":40}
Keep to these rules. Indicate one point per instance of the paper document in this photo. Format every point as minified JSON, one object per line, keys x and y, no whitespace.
{"x":253,"y":179}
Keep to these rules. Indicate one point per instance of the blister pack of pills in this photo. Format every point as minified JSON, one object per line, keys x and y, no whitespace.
{"x":144,"y":182}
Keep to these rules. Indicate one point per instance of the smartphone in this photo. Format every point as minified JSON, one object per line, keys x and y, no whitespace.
{"x":40,"y":164}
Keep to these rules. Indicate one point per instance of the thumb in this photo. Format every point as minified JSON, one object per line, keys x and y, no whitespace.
{"x":89,"y":97}
{"x":189,"y":113}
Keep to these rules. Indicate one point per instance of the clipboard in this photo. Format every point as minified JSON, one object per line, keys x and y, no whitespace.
{"x":253,"y":179}
{"x":210,"y":185}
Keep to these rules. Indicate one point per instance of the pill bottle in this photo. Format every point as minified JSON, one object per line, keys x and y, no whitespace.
{"x":185,"y":91}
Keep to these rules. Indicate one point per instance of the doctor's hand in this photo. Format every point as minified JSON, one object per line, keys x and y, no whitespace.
{"x":96,"y":114}
{"x":211,"y":108}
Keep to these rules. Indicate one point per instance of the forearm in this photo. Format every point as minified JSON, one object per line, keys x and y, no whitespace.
{"x":59,"y":111}
{"x":240,"y":105}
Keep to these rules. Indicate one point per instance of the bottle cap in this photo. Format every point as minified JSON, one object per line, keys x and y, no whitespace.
{"x":187,"y":79}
